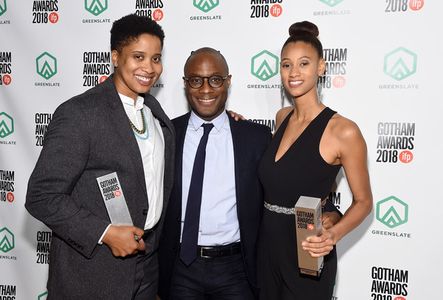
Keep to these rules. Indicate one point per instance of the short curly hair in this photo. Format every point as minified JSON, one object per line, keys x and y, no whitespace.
{"x":128,"y":28}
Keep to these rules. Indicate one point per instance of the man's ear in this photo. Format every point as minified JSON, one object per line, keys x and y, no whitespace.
{"x":228,"y":80}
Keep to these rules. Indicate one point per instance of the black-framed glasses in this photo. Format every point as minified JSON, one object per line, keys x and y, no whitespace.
{"x":214,"y":81}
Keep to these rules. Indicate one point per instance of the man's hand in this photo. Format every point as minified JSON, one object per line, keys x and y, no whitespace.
{"x":124,"y":240}
{"x":329,"y":219}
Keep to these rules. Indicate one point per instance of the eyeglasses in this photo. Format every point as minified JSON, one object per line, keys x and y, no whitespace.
{"x":214,"y":81}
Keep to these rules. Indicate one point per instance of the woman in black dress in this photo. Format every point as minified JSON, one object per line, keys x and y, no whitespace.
{"x":311,"y":144}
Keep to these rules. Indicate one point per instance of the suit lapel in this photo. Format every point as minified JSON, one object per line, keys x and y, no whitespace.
{"x":239,"y":152}
{"x":180,"y":128}
{"x":120,"y":123}
{"x":169,"y":138}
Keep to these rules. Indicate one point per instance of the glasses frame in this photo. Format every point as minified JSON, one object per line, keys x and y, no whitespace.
{"x":207,"y":78}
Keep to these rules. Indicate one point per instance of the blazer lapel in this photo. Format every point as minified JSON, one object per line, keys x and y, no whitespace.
{"x":240,"y":150}
{"x":180,"y":128}
{"x":169,"y":138}
{"x":120,"y":123}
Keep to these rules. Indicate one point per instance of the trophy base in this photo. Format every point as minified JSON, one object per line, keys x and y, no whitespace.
{"x":310,"y":272}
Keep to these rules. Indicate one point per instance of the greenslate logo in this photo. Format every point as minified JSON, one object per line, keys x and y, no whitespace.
{"x":205,"y":5}
{"x":6,"y":240}
{"x":392,"y":212}
{"x":264,"y":65}
{"x":331,"y":2}
{"x":46,"y":65}
{"x":43,"y":296}
{"x":3,"y":7}
{"x":400,"y":63}
{"x":96,"y":7}
{"x":6,"y":125}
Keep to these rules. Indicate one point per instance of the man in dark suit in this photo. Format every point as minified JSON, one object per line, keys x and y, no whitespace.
{"x":114,"y":127}
{"x":231,"y":196}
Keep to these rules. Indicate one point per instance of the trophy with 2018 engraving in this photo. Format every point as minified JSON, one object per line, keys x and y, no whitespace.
{"x":114,"y":198}
{"x":308,"y":223}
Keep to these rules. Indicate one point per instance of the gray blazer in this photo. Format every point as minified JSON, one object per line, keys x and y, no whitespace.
{"x":88,"y":137}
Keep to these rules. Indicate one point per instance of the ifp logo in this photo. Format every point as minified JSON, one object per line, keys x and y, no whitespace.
{"x":46,"y":65}
{"x":96,"y":7}
{"x":264,"y":65}
{"x":400,"y":63}
{"x":6,"y":125}
{"x":392,"y":212}
{"x":205,"y":5}
{"x":3,"y":7}
{"x":331,"y":2}
{"x":416,"y":4}
{"x":7,"y":242}
{"x":43,"y":296}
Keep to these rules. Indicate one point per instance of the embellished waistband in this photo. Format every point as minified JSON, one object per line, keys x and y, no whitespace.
{"x":280,"y":209}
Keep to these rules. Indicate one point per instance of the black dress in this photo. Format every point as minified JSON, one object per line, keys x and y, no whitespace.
{"x":300,"y":171}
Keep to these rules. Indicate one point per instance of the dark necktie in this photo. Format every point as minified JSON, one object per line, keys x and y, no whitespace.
{"x":188,"y":250}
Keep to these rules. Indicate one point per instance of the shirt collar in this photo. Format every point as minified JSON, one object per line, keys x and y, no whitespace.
{"x":196,"y":122}
{"x":130,"y":102}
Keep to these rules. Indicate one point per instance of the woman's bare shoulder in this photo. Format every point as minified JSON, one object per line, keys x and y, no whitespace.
{"x":344,"y":129}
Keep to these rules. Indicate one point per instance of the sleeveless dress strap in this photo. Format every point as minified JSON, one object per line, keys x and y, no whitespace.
{"x":319,"y":124}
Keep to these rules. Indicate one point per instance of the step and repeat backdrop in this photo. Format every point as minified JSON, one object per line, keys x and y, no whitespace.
{"x":384,"y":61}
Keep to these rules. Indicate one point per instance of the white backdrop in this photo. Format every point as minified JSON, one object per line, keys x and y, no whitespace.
{"x":384,"y":62}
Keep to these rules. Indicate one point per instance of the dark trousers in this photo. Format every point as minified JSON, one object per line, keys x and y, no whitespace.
{"x":146,"y":277}
{"x":146,"y":271}
{"x":220,"y":278}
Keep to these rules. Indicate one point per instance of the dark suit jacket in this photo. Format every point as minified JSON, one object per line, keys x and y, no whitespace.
{"x":249,"y":141}
{"x":88,"y":137}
